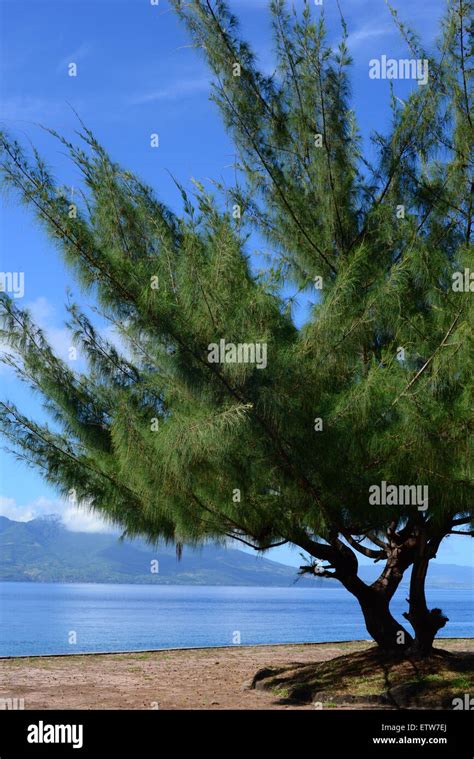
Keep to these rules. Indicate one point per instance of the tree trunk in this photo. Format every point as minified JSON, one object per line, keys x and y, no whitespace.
{"x":389,"y":634}
{"x":425,"y":622}
{"x":374,"y":599}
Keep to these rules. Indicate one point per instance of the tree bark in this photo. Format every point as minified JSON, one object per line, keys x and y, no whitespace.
{"x":425,"y":622}
{"x":389,"y":634}
{"x":374,"y":599}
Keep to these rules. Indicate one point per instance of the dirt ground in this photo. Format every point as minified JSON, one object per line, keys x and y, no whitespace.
{"x":216,"y":678}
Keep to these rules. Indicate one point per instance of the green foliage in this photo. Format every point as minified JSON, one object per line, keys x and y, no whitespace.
{"x":159,"y":439}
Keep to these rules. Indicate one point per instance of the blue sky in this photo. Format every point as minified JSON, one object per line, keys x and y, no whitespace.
{"x":137,"y":74}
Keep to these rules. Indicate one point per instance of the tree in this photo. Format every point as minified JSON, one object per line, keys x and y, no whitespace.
{"x":219,"y":418}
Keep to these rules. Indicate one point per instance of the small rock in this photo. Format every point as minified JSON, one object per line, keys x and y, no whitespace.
{"x":404,"y":694}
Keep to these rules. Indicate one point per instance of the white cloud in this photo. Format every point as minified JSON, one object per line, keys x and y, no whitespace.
{"x":236,"y":5}
{"x":78,"y":518}
{"x":41,"y":310}
{"x":60,"y":338}
{"x":24,"y":513}
{"x":84,"y":519}
{"x":178,"y":89}
{"x":29,"y":108}
{"x":73,"y":57}
{"x":366,"y":32}
{"x":43,"y":314}
{"x":10,"y":509}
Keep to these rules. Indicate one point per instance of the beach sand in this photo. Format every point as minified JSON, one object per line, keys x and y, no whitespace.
{"x":206,"y":678}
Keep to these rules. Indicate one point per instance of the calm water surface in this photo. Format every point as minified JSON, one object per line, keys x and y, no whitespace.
{"x":37,"y":618}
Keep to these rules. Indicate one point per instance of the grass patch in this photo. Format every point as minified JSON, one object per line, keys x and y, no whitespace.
{"x":368,"y":676}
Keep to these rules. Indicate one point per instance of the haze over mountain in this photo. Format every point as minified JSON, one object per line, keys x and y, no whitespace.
{"x":43,"y":550}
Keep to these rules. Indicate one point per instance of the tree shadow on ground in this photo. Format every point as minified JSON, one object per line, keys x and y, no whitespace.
{"x":369,"y":678}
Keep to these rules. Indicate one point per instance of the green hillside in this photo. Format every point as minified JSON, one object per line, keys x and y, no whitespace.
{"x":44,"y":551}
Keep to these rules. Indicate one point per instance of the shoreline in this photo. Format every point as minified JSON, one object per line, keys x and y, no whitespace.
{"x":133,"y":651}
{"x":173,"y":679}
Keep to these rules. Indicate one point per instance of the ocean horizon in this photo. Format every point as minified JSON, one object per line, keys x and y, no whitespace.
{"x":58,"y":618}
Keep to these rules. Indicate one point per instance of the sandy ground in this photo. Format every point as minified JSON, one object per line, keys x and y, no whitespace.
{"x":177,"y":679}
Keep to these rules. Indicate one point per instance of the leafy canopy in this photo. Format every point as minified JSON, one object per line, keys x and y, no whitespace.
{"x":167,"y":444}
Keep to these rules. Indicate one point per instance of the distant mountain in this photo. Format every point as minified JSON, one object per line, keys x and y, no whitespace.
{"x":44,"y":551}
{"x":449,"y":576}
